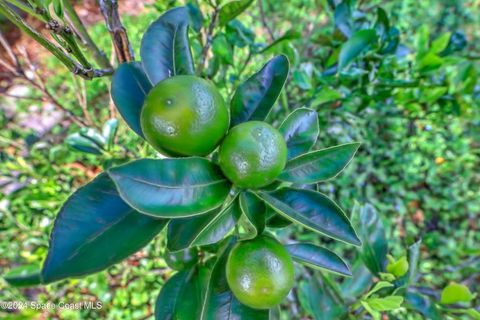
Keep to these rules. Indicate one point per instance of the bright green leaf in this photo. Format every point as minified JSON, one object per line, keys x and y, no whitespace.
{"x":455,"y":293}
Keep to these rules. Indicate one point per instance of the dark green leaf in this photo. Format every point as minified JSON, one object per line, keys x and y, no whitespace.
{"x":204,"y":229}
{"x":359,"y":42}
{"x":314,"y":211}
{"x":360,"y":281}
{"x":256,"y":96}
{"x":173,"y":188}
{"x":319,"y":165}
{"x":80,"y":143}
{"x":232,"y":9}
{"x":130,"y":86}
{"x":24,"y":276}
{"x":318,"y":258}
{"x":196,"y":16}
{"x":239,"y":35}
{"x":318,"y":300}
{"x":165,"y":50}
{"x":253,"y":210}
{"x":220,"y":303}
{"x":343,"y":18}
{"x":300,"y":130}
{"x":382,"y":25}
{"x":182,"y":296}
{"x":95,"y":229}
{"x":423,"y":305}
{"x":372,"y":233}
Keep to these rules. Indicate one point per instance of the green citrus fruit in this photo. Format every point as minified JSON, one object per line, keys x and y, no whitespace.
{"x":253,"y":154}
{"x":180,"y":260}
{"x":260,"y":272}
{"x":184,"y":115}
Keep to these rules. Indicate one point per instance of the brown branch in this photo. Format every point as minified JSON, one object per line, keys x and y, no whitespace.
{"x":84,"y":70}
{"x":264,"y":20}
{"x":123,"y":49}
{"x":208,"y":40}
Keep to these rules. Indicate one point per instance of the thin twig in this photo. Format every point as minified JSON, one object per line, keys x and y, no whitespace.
{"x":79,"y":28}
{"x":208,"y":39}
{"x":84,"y":70}
{"x":123,"y":49}
{"x":264,"y":21}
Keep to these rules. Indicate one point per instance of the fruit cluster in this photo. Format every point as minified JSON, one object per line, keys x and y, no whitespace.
{"x":226,"y":181}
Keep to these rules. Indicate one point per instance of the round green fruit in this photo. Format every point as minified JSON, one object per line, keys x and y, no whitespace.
{"x":253,"y":154}
{"x":180,"y":260}
{"x":184,"y":115}
{"x":260,"y":272}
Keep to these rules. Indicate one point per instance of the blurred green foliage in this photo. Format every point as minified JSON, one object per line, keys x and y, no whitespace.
{"x":411,"y":96}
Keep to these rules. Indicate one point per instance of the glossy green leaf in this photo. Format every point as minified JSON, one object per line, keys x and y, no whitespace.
{"x":372,"y":233}
{"x":254,"y":98}
{"x":130,"y":86}
{"x":165,"y":50}
{"x":300,"y":130}
{"x":319,"y":165}
{"x":220,"y":303}
{"x":109,"y":131}
{"x":94,"y":136}
{"x":318,"y":258}
{"x":80,"y":143}
{"x":87,"y":232}
{"x":360,"y":42}
{"x":232,"y":9}
{"x":181,"y":297}
{"x":312,"y":210}
{"x":202,"y":230}
{"x":253,"y":214}
{"x":275,"y":220}
{"x":455,"y":293}
{"x":24,"y":276}
{"x":171,"y":188}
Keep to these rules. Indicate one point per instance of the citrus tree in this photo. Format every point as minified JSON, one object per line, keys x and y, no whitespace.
{"x":222,"y":179}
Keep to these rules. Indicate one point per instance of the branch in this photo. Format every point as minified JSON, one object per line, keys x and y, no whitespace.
{"x":264,"y":20}
{"x":209,"y":39}
{"x":123,"y":49}
{"x":78,"y":69}
{"x":79,"y":28}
